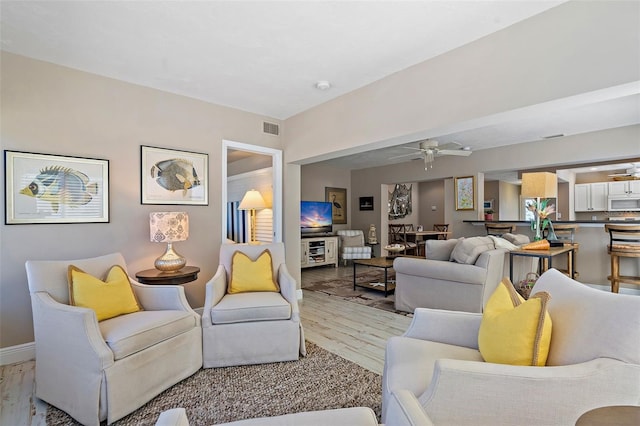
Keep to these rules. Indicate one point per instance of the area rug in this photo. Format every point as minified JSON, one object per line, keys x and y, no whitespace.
{"x":343,"y":288}
{"x":320,"y":381}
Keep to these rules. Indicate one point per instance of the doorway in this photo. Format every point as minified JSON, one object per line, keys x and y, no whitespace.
{"x":229,"y":147}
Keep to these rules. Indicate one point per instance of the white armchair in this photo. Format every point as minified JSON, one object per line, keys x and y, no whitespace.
{"x":98,"y":371}
{"x":594,"y":361}
{"x":251,"y":327}
{"x":352,"y":245}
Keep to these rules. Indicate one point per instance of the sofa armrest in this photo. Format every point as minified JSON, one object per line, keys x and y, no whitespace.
{"x":440,"y":270}
{"x":161,"y":297}
{"x":173,"y":417}
{"x":404,"y":409}
{"x":526,"y":395}
{"x":288,"y":290}
{"x":215,"y":289}
{"x":450,"y":327}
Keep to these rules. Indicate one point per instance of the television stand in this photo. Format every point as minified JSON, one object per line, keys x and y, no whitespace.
{"x":317,"y":251}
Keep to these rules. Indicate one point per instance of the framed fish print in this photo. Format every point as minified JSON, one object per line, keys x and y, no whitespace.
{"x":46,"y":188}
{"x":170,"y":176}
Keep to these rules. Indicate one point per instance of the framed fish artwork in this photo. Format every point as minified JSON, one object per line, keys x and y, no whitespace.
{"x":46,"y":188}
{"x":170,"y":176}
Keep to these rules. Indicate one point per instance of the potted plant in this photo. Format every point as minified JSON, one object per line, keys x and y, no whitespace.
{"x":488,"y":214}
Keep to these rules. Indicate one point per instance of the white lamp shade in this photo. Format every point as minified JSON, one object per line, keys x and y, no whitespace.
{"x":168,"y":227}
{"x":252,"y":200}
{"x":539,"y":185}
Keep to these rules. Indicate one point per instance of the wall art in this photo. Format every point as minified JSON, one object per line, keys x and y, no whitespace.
{"x":46,"y":188}
{"x":464,"y":187}
{"x":170,"y":176}
{"x":338,"y":199}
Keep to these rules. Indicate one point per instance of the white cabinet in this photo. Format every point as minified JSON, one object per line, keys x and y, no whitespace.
{"x":590,"y":197}
{"x":318,"y":251}
{"x":624,"y":187}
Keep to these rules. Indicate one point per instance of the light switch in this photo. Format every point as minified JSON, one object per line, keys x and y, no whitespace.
{"x":434,"y":208}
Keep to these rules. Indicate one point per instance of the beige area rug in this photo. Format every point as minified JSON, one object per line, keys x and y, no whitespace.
{"x":321,"y":380}
{"x":343,"y":288}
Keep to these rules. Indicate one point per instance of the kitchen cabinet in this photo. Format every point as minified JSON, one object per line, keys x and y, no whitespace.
{"x":624,"y":188}
{"x":590,"y":197}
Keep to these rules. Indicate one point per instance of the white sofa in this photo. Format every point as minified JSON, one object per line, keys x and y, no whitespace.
{"x":594,"y":361}
{"x":436,"y":282}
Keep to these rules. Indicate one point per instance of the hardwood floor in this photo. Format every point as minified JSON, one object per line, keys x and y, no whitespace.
{"x":353,"y":331}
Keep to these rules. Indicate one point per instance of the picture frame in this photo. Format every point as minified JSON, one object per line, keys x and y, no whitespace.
{"x":488,"y":204}
{"x":171,"y":176}
{"x":465,"y":193}
{"x":49,"y":188}
{"x":338,"y":199}
{"x":366,"y":203}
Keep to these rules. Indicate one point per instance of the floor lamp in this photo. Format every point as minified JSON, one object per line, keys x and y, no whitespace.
{"x":252,"y":201}
{"x":539,"y":185}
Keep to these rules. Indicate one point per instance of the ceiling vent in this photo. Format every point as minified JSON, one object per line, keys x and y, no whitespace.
{"x":271,"y":128}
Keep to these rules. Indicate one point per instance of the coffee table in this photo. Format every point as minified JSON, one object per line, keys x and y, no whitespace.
{"x":376,"y":262}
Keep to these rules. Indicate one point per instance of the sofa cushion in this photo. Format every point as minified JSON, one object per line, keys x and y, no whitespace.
{"x":354,"y":241}
{"x":515,"y":331}
{"x":252,"y":275}
{"x":109,"y":298}
{"x":503,"y":243}
{"x":253,"y":306}
{"x":440,"y":249}
{"x":517,"y":239}
{"x":469,"y":249}
{"x":131,"y":333}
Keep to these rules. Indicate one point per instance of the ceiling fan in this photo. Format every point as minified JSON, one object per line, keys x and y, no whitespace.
{"x":633,"y":172}
{"x":429,"y":149}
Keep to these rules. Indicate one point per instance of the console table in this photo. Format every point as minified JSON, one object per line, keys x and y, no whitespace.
{"x":547,"y":258}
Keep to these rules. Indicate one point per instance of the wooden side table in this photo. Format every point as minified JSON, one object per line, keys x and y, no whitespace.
{"x":154,"y":276}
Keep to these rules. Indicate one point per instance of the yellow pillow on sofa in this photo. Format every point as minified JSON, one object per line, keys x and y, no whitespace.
{"x":109,"y":298}
{"x":251,"y":275}
{"x":515,"y":331}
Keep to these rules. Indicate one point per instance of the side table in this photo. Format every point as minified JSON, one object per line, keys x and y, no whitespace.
{"x":154,"y":276}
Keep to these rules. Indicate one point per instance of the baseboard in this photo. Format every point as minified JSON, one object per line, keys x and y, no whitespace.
{"x":18,"y":353}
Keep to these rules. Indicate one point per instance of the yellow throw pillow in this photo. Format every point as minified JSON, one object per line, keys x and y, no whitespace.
{"x":109,"y":298}
{"x":251,"y":275}
{"x":514,"y":331}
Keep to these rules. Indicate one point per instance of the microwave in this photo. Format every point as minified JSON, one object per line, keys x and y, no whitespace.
{"x":626,"y":204}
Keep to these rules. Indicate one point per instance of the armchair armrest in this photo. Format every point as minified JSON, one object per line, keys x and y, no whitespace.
{"x":288,"y":290}
{"x":161,"y":297}
{"x":534,"y":395}
{"x":405,"y":409}
{"x":450,"y":327}
{"x":215,"y":290}
{"x":85,"y":350}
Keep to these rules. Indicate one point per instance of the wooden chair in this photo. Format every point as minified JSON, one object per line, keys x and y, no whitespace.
{"x":624,"y":241}
{"x":398,"y":235}
{"x":498,"y":229}
{"x":565,"y":233}
{"x":441,"y":227}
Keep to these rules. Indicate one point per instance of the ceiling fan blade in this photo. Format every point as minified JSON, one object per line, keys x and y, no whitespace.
{"x":405,"y":155}
{"x":459,"y":153}
{"x":450,"y":146}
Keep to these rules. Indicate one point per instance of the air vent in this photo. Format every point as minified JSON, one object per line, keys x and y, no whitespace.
{"x":271,"y":128}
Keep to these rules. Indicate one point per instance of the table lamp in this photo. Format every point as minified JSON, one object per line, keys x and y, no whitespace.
{"x":539,"y":185}
{"x":169,"y":227}
{"x":252,"y":201}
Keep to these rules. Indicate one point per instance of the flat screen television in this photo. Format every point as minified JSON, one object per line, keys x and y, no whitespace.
{"x":315,"y":217}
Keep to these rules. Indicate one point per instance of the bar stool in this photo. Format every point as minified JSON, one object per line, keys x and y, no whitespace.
{"x":624,"y":241}
{"x":498,"y":229}
{"x":565,"y":233}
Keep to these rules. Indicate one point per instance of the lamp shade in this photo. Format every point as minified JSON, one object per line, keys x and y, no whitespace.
{"x":539,"y":185}
{"x":168,"y":227}
{"x":252,"y":200}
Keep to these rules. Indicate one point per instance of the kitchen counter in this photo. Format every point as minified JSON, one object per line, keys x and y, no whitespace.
{"x":559,"y":222}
